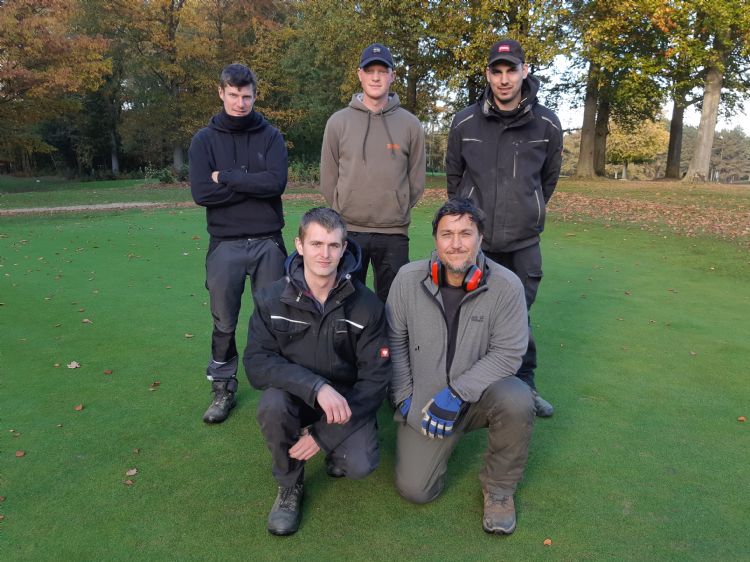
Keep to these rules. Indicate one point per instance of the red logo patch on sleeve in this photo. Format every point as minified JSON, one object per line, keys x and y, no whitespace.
{"x":385,"y":353}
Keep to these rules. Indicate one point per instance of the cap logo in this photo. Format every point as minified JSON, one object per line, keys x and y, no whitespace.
{"x":376,"y":50}
{"x":503,"y":49}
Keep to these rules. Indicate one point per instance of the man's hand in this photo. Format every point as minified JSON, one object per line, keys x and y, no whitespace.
{"x":305,"y":448}
{"x":405,"y":406}
{"x":215,"y":177}
{"x":334,"y":405}
{"x":440,"y":414}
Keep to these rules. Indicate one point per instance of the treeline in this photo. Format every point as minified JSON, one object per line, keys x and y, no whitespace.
{"x":105,"y":87}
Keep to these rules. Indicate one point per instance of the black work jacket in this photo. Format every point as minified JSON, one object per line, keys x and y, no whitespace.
{"x":508,"y":167}
{"x":295,"y":346}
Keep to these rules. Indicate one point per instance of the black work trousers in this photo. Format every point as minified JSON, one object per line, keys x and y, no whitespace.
{"x":386,"y":252}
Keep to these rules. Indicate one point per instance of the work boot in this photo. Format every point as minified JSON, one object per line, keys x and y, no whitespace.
{"x":287,"y":510}
{"x":224,"y":401}
{"x":332,"y":470}
{"x":542,"y":408}
{"x":499,"y":513}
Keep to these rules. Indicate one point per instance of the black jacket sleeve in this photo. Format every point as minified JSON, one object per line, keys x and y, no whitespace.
{"x":551,"y":168}
{"x":266,"y":367}
{"x":454,"y":162}
{"x":366,"y":395}
{"x":206,"y":192}
{"x":270,"y":182}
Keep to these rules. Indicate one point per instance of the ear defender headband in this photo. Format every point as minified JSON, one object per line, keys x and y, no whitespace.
{"x":471,"y":280}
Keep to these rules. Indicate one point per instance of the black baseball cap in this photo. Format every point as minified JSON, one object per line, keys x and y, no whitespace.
{"x":376,"y":53}
{"x":506,"y":50}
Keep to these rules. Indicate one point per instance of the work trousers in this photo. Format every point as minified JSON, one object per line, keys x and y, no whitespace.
{"x":282,"y":416}
{"x":386,"y":252}
{"x":228,"y":264}
{"x":506,"y":409}
{"x":526,"y":263}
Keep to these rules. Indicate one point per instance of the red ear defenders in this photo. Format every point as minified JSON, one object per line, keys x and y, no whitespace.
{"x":471,"y":280}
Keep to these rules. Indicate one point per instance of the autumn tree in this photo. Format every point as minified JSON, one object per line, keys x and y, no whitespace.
{"x":636,"y":144}
{"x":724,"y":26}
{"x":617,"y":40}
{"x":43,"y":57}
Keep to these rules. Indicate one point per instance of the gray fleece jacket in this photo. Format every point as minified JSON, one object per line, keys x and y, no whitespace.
{"x":492,"y":335}
{"x":372,"y":166}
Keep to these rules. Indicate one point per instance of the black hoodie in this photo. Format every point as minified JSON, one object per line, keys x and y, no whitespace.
{"x":296,"y":345}
{"x":251,"y":157}
{"x":508,"y":162}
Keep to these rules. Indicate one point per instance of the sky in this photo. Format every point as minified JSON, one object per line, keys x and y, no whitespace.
{"x":572,"y":118}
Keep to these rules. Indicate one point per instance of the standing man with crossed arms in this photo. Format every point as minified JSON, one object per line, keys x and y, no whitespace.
{"x":238,"y":171}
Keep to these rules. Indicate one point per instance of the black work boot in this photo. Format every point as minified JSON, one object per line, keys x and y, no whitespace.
{"x":223,"y":402}
{"x":287,"y":510}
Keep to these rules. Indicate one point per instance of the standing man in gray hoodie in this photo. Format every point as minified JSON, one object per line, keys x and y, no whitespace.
{"x":372,"y":168}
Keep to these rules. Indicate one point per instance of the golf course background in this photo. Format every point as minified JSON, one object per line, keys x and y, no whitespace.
{"x":642,"y":328}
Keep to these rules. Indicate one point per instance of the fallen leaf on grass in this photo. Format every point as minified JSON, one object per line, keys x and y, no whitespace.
{"x":2,"y":517}
{"x":59,"y":425}
{"x":547,"y":542}
{"x":136,"y":451}
{"x":56,"y":365}
{"x":188,"y":336}
{"x":86,"y":321}
{"x":628,"y":293}
{"x":78,"y":407}
{"x":20,"y":454}
{"x":128,"y":482}
{"x":154,"y":385}
{"x":196,"y":238}
{"x":693,"y":353}
{"x":131,"y":472}
{"x":2,"y":499}
{"x":74,"y":365}
{"x":81,"y":310}
{"x":107,"y":371}
{"x":742,"y":419}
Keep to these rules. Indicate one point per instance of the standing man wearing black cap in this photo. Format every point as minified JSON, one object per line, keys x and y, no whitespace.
{"x":372,"y":168}
{"x":504,"y":153}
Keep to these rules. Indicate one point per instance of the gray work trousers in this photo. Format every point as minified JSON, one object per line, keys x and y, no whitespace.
{"x":506,"y":409}
{"x":281,"y":417}
{"x":526,"y":263}
{"x":228,"y":264}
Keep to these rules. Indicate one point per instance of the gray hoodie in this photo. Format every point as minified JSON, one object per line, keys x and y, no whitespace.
{"x":372,"y":166}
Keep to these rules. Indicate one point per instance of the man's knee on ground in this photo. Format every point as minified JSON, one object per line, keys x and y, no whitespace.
{"x":360,"y":466}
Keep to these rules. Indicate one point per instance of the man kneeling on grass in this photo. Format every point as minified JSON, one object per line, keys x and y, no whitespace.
{"x":458,"y":329}
{"x":318,"y":350}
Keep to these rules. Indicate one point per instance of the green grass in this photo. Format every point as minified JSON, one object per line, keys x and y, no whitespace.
{"x":643,"y":350}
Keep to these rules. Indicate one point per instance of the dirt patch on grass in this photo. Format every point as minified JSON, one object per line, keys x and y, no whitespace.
{"x":686,"y":220}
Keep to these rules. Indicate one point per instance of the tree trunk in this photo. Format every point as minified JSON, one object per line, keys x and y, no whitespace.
{"x":625,"y":170}
{"x":177,"y":158}
{"x":585,"y":168}
{"x":113,"y":153}
{"x":698,"y":168}
{"x":411,"y":90}
{"x":674,"y":152}
{"x":600,"y":135}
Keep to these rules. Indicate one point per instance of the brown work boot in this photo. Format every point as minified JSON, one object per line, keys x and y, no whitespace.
{"x":499,"y":513}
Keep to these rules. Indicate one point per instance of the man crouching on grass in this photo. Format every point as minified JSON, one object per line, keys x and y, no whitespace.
{"x":457,"y":328}
{"x":318,"y":350}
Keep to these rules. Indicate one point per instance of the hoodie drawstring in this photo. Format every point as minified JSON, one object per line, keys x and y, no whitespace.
{"x":391,"y":145}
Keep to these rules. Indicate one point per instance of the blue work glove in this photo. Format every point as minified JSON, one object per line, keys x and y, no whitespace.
{"x":440,"y":414}
{"x":404,"y":407}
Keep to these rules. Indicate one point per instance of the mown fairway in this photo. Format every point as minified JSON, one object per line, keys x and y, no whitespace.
{"x":644,"y":349}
